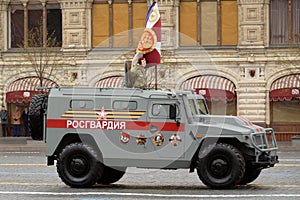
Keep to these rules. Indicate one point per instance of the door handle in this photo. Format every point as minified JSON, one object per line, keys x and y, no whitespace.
{"x":153,"y":129}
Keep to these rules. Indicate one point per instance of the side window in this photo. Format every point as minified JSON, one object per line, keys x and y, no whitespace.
{"x":202,"y":107}
{"x":162,"y":110}
{"x":125,"y":105}
{"x":78,"y":103}
{"x":192,"y":106}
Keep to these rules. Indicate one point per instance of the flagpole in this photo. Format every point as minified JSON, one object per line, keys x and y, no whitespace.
{"x":155,"y":66}
{"x":155,"y":77}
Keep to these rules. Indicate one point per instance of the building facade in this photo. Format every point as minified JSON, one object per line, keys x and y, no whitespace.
{"x":242,"y":55}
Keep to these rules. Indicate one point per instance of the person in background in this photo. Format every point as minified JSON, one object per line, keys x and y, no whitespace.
{"x":17,"y":122}
{"x":25,"y":122}
{"x":4,"y":121}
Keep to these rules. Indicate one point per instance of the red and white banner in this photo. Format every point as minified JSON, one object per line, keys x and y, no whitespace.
{"x":150,"y":43}
{"x":113,"y":125}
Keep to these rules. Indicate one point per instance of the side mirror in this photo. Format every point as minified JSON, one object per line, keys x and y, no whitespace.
{"x":172,"y":112}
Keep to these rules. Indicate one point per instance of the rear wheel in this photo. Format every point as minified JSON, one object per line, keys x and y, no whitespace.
{"x":37,"y":108}
{"x":79,"y":165}
{"x":111,"y":175}
{"x":220,"y":166}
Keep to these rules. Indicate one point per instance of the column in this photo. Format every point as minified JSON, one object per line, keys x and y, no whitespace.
{"x":76,"y":24}
{"x":44,"y":4}
{"x":3,"y":25}
{"x":252,"y":26}
{"x":252,"y":101}
{"x":253,"y":38}
{"x":25,"y":3}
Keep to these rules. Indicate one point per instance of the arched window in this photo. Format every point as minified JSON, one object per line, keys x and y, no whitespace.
{"x":285,"y":105}
{"x":111,"y":82}
{"x":218,"y":91}
{"x":23,"y":89}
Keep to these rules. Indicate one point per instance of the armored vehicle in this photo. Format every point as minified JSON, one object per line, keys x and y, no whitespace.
{"x":94,"y":134}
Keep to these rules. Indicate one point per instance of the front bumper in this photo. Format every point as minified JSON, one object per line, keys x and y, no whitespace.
{"x":266,"y":147}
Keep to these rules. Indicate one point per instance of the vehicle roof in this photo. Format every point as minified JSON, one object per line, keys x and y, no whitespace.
{"x":125,"y":92}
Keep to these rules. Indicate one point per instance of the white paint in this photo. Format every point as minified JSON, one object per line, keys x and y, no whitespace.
{"x":19,"y":152}
{"x":147,"y":194}
{"x":289,"y":160}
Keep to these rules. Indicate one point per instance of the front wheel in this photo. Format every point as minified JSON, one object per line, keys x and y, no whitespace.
{"x":251,"y":173}
{"x":79,"y":165}
{"x":220,"y":166}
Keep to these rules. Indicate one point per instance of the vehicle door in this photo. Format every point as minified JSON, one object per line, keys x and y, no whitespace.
{"x":167,"y":135}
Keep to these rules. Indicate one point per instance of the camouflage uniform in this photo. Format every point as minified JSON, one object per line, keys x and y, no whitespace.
{"x":137,"y":77}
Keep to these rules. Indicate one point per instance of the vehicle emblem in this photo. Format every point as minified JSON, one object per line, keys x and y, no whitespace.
{"x":141,"y":140}
{"x":175,"y":139}
{"x":102,"y":114}
{"x":125,"y":138}
{"x":158,"y":139}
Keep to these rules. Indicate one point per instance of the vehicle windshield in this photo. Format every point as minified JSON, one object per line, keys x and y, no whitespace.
{"x":198,"y":107}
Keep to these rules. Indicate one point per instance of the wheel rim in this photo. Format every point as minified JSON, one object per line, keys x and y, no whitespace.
{"x":219,"y":166}
{"x":78,"y":166}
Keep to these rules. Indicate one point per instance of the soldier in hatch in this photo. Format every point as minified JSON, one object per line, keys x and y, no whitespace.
{"x":138,"y":78}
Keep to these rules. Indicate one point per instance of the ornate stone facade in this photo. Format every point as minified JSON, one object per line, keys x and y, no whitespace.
{"x":252,"y":66}
{"x":76,"y":17}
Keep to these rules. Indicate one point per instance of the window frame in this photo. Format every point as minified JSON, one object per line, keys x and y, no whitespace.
{"x":32,"y":6}
{"x":109,"y":41}
{"x":78,"y":104}
{"x":124,"y":101}
{"x":291,"y":35}
{"x":164,"y":104}
{"x":218,"y":43}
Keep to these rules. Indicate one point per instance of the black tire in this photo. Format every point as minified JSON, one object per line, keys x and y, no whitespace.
{"x":37,"y":108}
{"x":79,"y":166}
{"x":111,"y":175}
{"x":220,"y":166}
{"x":251,"y":173}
